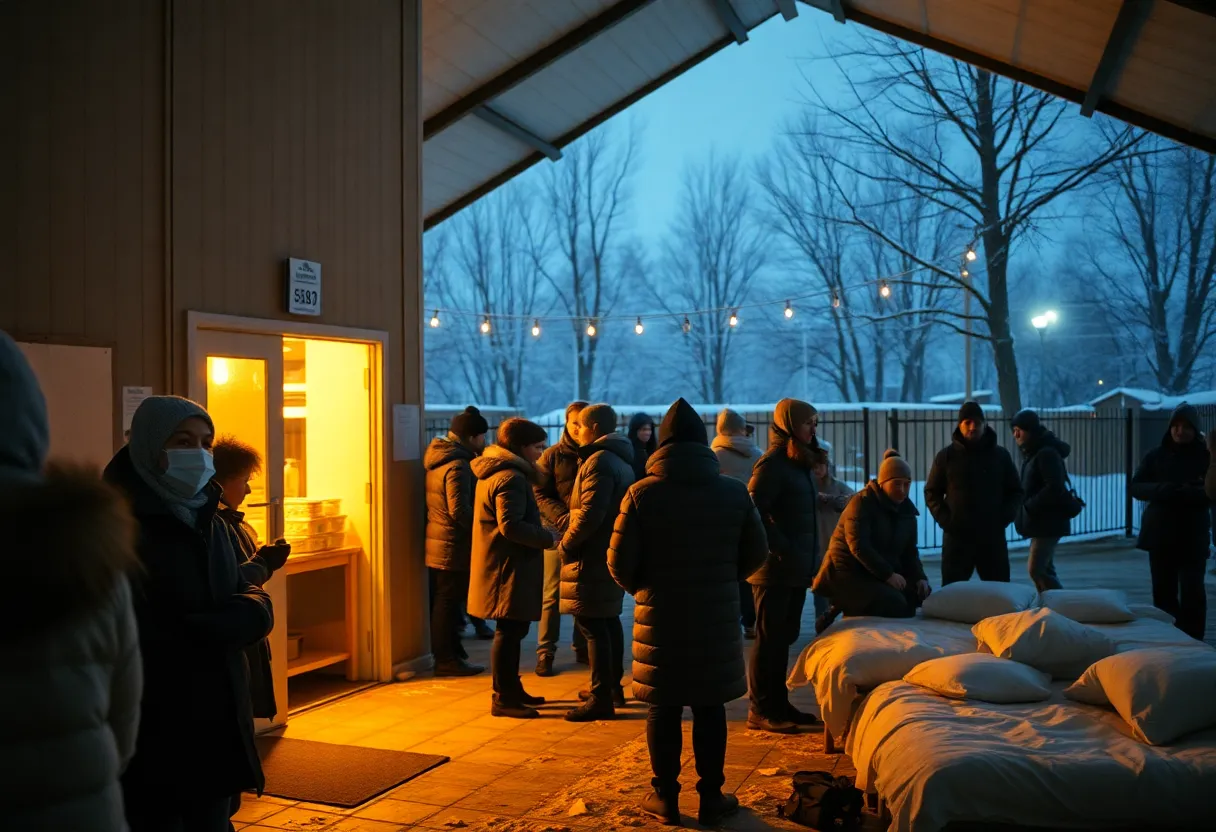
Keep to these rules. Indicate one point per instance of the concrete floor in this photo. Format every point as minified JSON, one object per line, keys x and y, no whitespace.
{"x":513,"y":776}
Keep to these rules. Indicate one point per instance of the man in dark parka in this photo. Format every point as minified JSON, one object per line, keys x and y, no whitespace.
{"x":1043,"y":514}
{"x":783,"y":489}
{"x":588,"y":591}
{"x":558,"y":467}
{"x":684,"y":538}
{"x":1175,"y":526}
{"x":973,"y":492}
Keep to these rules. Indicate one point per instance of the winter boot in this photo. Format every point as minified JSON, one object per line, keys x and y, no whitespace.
{"x":756,"y":722}
{"x":618,"y":697}
{"x":526,"y":698}
{"x":591,"y":711}
{"x":512,"y":710}
{"x":457,"y":667}
{"x":544,"y":665}
{"x":716,"y":807}
{"x":483,"y":630}
{"x":800,"y":717}
{"x":665,"y":809}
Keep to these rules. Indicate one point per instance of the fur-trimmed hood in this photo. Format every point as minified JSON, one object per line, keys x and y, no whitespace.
{"x":70,"y":537}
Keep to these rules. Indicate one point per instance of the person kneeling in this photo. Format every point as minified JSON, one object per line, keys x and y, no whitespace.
{"x":872,"y":566}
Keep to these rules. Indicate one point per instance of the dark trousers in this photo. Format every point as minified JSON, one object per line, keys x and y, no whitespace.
{"x":747,"y":604}
{"x":504,"y":658}
{"x":447,"y":602}
{"x":157,"y":813}
{"x":1042,"y":563}
{"x":1178,"y":589}
{"x":778,"y":620}
{"x":963,"y":556}
{"x":665,"y":739}
{"x":606,"y":649}
{"x":866,"y":595}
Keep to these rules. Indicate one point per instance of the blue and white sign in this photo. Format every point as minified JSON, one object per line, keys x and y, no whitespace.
{"x":303,"y":287}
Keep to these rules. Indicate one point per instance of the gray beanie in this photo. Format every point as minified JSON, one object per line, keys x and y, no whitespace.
{"x":25,"y":436}
{"x":893,"y":467}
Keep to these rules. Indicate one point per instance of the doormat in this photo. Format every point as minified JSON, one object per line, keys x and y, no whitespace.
{"x":337,"y":775}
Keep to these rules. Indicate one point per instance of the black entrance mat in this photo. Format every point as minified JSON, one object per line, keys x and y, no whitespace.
{"x":339,"y":775}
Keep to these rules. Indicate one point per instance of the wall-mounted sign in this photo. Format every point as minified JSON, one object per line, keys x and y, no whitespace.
{"x":303,"y":287}
{"x":132,"y":398}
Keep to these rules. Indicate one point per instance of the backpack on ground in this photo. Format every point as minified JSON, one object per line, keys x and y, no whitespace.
{"x":824,"y":802}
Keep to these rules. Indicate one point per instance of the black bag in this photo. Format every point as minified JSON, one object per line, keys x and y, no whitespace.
{"x":824,"y":802}
{"x":1073,"y":504}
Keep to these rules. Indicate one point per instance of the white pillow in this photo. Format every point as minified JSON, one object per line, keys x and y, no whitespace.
{"x":1089,"y":606}
{"x":1162,"y":693}
{"x":981,"y":676}
{"x":1044,"y":639}
{"x":972,"y":601}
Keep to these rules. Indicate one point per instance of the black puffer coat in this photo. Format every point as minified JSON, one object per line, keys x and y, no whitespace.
{"x":783,"y":488}
{"x":255,"y":570}
{"x":684,"y":539}
{"x":449,"y":504}
{"x":1170,"y":479}
{"x":1043,"y":512}
{"x":973,"y":490}
{"x":558,"y":467}
{"x":196,"y":614}
{"x":642,"y":450}
{"x":508,"y":560}
{"x":874,"y":539}
{"x":605,"y":477}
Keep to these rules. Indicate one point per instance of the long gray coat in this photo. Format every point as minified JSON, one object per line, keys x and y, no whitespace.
{"x":604,"y":478}
{"x":508,"y":557}
{"x":684,"y":539}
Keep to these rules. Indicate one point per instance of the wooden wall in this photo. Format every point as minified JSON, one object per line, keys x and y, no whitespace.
{"x":281,"y":127}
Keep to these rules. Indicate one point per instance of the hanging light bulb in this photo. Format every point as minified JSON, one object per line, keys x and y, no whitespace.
{"x":435,"y":320}
{"x":591,"y":330}
{"x":686,"y":326}
{"x":884,"y":289}
{"x":964,"y":272}
{"x":835,"y":300}
{"x":536,"y":328}
{"x":485,"y":325}
{"x":638,"y":328}
{"x":789,"y":310}
{"x":971,"y":255}
{"x":734,"y":318}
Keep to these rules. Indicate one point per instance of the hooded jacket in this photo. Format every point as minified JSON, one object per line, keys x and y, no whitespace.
{"x":642,"y":450}
{"x":874,"y":539}
{"x":449,"y":504}
{"x":737,"y":456}
{"x":833,"y":499}
{"x":1170,"y":479}
{"x":684,"y":539}
{"x":586,"y":587}
{"x":509,"y":542}
{"x":973,"y":490}
{"x":1043,"y":512}
{"x":558,"y":467}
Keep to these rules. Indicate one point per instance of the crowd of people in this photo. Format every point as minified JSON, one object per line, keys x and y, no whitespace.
{"x":150,"y":667}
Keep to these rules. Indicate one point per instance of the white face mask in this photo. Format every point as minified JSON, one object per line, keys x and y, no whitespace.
{"x":189,"y":470}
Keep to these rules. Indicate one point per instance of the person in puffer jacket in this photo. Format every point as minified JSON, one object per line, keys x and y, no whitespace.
{"x":1043,"y":516}
{"x":737,"y":456}
{"x":449,"y":534}
{"x":72,"y":680}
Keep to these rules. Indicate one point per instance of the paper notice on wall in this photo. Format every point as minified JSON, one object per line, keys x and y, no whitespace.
{"x":132,"y":397}
{"x":407,"y":432}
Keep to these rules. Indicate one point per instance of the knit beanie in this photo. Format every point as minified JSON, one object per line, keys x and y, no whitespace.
{"x":893,"y":467}
{"x":1027,"y":420}
{"x":24,"y":429}
{"x":971,"y":411}
{"x":731,"y":423}
{"x":516,"y":433}
{"x":682,"y":423}
{"x":790,"y":412}
{"x":469,"y":423}
{"x":1186,"y":413}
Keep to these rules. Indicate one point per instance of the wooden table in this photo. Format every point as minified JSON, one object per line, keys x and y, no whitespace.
{"x":346,"y":559}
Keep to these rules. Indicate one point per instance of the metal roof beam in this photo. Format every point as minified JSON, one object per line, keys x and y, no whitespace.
{"x":517,"y":131}
{"x":730,"y":19}
{"x":1131,"y":19}
{"x":838,"y":11}
{"x":788,"y":10}
{"x":531,"y":65}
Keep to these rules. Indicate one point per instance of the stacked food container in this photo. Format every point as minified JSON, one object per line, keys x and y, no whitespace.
{"x":314,"y":524}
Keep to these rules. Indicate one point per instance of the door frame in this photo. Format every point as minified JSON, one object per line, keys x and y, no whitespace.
{"x":378,"y":582}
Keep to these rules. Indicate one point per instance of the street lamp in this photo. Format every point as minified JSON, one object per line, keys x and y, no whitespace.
{"x":1041,"y":322}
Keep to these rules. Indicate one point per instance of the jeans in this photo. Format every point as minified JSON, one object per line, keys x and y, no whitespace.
{"x":1178,"y":588}
{"x":778,"y":620}
{"x":1042,"y":563}
{"x":665,"y":740}
{"x":504,"y":659}
{"x":450,"y":591}
{"x":606,"y":649}
{"x":549,"y":632}
{"x":159,"y":813}
{"x":747,"y":604}
{"x":989,"y":556}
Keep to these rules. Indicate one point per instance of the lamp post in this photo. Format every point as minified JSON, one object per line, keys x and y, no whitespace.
{"x":1041,"y":322}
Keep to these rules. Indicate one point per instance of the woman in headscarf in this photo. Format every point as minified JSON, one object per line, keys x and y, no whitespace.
{"x":69,"y":701}
{"x":641,"y":434}
{"x":196,"y":615}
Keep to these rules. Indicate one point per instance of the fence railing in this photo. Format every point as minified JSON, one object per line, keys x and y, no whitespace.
{"x":1103,"y":455}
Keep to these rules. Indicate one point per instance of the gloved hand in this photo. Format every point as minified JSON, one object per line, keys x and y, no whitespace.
{"x":275,"y":555}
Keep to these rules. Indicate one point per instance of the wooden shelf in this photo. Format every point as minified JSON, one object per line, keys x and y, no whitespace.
{"x":314,"y":660}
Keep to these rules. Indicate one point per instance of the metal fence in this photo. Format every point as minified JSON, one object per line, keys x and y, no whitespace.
{"x":1103,"y":454}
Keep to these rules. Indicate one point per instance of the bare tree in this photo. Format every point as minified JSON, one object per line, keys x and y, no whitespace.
{"x":577,"y":244}
{"x":1156,"y":256}
{"x":992,"y":153}
{"x":713,"y":252}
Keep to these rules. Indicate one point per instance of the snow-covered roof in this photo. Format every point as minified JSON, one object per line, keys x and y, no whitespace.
{"x":1155,"y":400}
{"x":959,"y":398}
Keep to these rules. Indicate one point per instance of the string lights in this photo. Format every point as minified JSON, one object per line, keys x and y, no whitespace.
{"x":591,"y":329}
{"x":734,"y":318}
{"x":789,"y":310}
{"x":536,"y":328}
{"x":435,"y":320}
{"x":638,"y":328}
{"x":884,"y":289}
{"x":686,"y":326}
{"x":485,"y":325}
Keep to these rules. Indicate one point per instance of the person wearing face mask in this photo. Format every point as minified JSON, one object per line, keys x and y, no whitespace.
{"x":196,"y":614}
{"x":872,"y":566}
